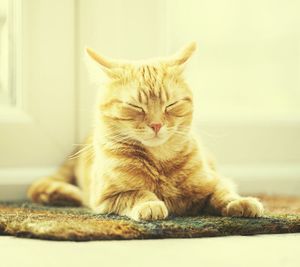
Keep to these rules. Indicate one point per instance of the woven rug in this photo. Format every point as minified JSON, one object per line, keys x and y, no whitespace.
{"x":26,"y":219}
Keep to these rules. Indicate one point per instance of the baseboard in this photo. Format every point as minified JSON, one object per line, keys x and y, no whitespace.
{"x":273,"y":179}
{"x":251,"y":179}
{"x":14,"y":182}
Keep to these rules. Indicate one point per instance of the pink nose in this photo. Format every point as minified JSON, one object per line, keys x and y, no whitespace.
{"x":156,"y":127}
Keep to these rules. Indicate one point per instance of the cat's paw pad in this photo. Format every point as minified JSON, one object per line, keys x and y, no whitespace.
{"x":244,"y":207}
{"x":150,"y":210}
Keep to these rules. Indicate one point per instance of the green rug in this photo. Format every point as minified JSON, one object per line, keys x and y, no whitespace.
{"x":25,"y":219}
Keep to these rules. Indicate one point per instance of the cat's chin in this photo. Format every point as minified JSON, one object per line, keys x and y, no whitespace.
{"x":153,"y":142}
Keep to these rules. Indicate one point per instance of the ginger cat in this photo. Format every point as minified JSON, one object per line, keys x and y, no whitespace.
{"x":142,"y":160}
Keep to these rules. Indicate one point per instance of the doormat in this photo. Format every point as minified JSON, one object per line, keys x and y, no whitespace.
{"x":25,"y":219}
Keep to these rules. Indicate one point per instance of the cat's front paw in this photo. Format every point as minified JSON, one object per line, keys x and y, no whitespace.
{"x":150,"y":210}
{"x":244,"y":207}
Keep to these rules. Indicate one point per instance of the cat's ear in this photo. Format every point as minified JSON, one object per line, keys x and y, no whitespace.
{"x":103,"y":62}
{"x":108,"y":66}
{"x":182,"y":56}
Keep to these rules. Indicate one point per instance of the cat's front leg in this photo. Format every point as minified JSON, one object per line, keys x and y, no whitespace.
{"x":137,"y":205}
{"x":227,"y":202}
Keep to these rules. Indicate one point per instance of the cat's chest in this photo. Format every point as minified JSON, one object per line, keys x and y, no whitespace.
{"x":180,"y":189}
{"x":171,"y":178}
{"x":179,"y":194}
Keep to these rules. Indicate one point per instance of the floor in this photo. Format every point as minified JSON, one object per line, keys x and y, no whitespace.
{"x":262,"y":250}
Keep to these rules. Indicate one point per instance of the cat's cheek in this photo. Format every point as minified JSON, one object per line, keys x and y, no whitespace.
{"x":170,"y":120}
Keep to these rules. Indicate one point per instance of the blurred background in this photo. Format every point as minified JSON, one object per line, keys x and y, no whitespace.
{"x":245,"y":77}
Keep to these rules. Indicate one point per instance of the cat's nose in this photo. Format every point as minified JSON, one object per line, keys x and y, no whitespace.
{"x":156,"y":127}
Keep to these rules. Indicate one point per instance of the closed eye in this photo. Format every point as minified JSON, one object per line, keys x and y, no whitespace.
{"x":171,"y":105}
{"x":178,"y":104}
{"x":136,"y":107}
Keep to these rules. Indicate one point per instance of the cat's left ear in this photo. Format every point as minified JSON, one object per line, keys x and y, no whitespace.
{"x":181,"y":57}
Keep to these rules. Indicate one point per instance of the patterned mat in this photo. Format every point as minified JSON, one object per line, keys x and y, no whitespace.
{"x":26,"y":219}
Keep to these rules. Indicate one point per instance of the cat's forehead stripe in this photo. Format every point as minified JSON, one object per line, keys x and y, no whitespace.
{"x":142,"y":96}
{"x":151,"y":84}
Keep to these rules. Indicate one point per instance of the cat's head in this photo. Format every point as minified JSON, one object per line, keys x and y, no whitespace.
{"x":148,"y":101}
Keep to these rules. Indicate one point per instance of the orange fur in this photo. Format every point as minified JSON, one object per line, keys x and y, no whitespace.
{"x":128,"y":169}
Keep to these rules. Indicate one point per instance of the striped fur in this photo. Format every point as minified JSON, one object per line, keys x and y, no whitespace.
{"x":127,"y":169}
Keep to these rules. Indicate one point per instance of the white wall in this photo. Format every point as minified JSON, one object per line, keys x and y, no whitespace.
{"x":247,"y":65}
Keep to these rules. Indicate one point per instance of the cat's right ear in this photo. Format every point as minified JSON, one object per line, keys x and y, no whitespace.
{"x":95,"y":62}
{"x":103,"y":62}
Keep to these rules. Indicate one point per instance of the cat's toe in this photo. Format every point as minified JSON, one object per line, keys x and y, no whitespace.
{"x":244,"y":207}
{"x":150,"y":210}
